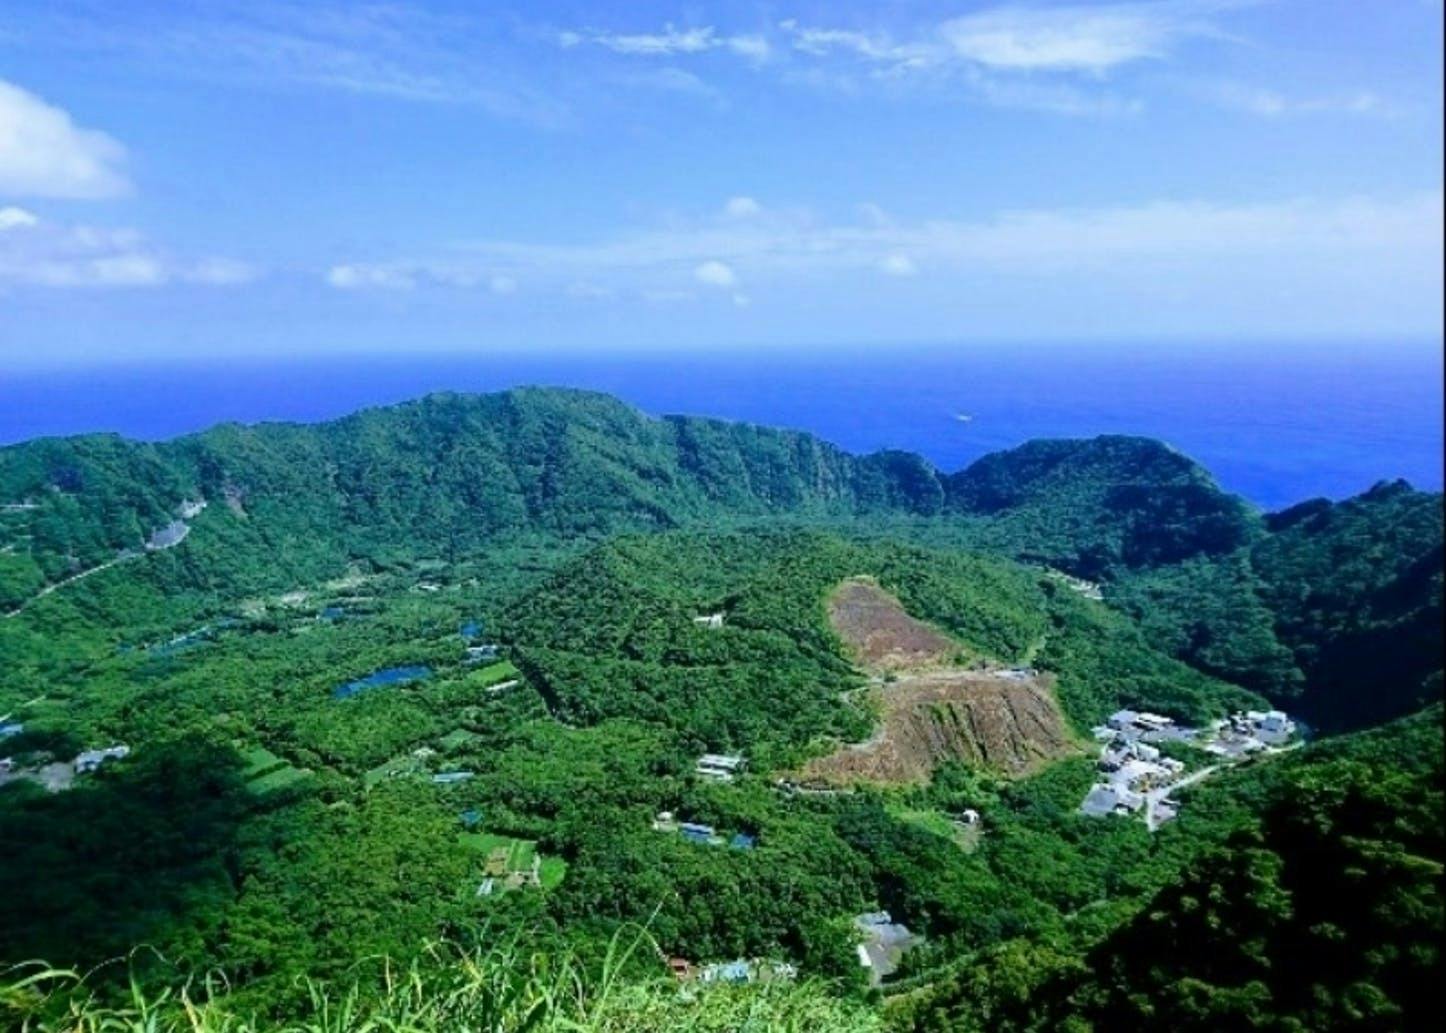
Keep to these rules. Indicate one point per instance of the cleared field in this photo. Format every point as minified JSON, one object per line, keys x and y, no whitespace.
{"x":519,"y":851}
{"x":265,"y":772}
{"x":552,"y":872}
{"x":394,"y":768}
{"x":279,"y":779}
{"x":881,"y":634}
{"x":966,"y":838}
{"x":259,"y":761}
{"x":504,"y":855}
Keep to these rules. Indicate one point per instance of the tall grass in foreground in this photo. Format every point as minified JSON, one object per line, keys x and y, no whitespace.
{"x":448,"y":990}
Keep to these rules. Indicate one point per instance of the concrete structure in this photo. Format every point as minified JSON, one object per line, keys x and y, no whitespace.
{"x":481,"y":654}
{"x":884,"y":944}
{"x":90,"y":760}
{"x":171,"y":534}
{"x":743,"y":971}
{"x":1016,"y":673}
{"x":1107,"y":798}
{"x":718,"y":767}
{"x":447,"y":778}
{"x":698,"y":833}
{"x":710,"y":620}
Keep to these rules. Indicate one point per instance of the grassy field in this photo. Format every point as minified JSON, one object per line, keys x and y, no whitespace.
{"x":520,"y":852}
{"x":940,"y":824}
{"x":265,"y":772}
{"x":406,"y":764}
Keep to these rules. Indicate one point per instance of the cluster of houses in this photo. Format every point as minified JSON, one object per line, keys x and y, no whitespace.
{"x":1131,"y":766}
{"x":1248,"y":732}
{"x":1135,"y":776}
{"x":58,"y":775}
{"x":743,"y":970}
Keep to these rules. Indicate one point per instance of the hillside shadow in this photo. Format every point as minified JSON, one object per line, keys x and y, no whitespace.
{"x":137,"y":854}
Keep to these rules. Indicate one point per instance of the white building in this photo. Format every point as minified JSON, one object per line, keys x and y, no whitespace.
{"x":92,"y":759}
{"x":718,"y":766}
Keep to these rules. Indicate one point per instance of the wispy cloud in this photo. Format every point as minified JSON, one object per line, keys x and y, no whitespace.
{"x":669,"y":42}
{"x":1092,"y":38}
{"x":37,"y":253}
{"x":771,"y":247}
{"x":1269,"y":103}
{"x":385,"y":50}
{"x":43,"y":153}
{"x":1042,"y":58}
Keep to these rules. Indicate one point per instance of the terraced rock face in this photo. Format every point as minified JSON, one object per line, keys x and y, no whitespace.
{"x":1010,"y":725}
{"x":934,"y":710}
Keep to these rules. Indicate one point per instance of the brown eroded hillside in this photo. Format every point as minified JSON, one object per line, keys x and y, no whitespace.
{"x":933,"y":708}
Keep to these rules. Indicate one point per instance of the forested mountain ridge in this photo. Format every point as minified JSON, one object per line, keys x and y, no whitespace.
{"x":1278,"y":603}
{"x":455,"y":470}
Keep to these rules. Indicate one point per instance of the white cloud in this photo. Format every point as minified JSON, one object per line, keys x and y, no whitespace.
{"x":1088,"y":38}
{"x":404,"y":276}
{"x":897,"y":264}
{"x":715,"y":274}
{"x":221,"y":272}
{"x":369,"y":277}
{"x":43,"y":153}
{"x":742,"y":208}
{"x":37,"y":253}
{"x":1269,"y":103}
{"x":16,"y":218}
{"x":670,"y":42}
{"x":822,"y":42}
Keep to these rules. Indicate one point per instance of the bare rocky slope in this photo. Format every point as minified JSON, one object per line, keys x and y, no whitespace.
{"x":936,"y":703}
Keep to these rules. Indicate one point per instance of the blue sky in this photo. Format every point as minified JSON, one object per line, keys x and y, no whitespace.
{"x":272,"y":177}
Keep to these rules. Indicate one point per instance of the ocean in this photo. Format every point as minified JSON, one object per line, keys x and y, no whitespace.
{"x":1275,"y":424}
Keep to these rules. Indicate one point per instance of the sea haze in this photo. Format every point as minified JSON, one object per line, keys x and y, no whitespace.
{"x":1278,"y":425}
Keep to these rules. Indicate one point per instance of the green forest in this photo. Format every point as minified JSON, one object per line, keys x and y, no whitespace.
{"x":414,"y":703}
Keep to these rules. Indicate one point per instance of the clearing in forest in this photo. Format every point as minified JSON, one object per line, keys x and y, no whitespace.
{"x":881,"y":633}
{"x":933,"y":709}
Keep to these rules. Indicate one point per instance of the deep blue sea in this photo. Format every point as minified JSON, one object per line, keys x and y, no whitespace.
{"x":1275,"y":424}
